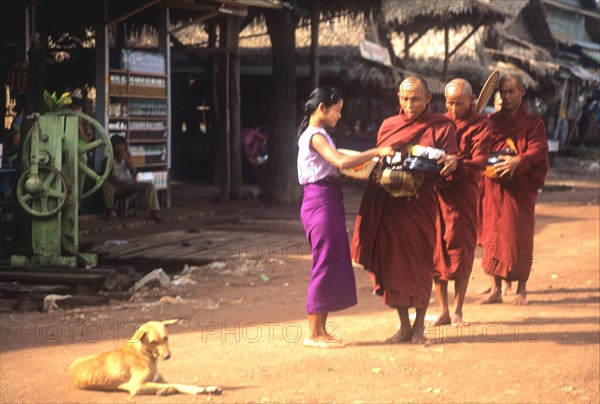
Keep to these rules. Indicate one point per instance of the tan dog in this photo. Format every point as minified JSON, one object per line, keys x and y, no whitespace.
{"x":132,"y":367}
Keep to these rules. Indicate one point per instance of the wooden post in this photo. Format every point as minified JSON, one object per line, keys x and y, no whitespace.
{"x":446,"y":47}
{"x":215,"y":123}
{"x":101,"y":77}
{"x":234,"y":26}
{"x":406,"y":44}
{"x":165,"y":50}
{"x":224,"y":118}
{"x":314,"y":46}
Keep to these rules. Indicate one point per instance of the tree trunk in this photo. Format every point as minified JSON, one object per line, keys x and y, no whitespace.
{"x":224,"y":143}
{"x":281,"y":183}
{"x":234,"y":103}
{"x":314,"y":46}
{"x":215,"y":127}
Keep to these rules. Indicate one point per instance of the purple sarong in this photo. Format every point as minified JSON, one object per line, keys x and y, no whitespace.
{"x":331,"y":286}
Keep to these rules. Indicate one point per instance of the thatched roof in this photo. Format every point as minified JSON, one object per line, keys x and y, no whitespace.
{"x":339,"y":39}
{"x":421,"y":15}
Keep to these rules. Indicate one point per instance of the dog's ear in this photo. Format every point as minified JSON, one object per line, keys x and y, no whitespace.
{"x":139,"y":333}
{"x":169,"y":322}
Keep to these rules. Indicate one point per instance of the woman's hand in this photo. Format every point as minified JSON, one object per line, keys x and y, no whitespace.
{"x":385,"y":151}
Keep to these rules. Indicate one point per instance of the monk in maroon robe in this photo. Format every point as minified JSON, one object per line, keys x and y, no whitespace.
{"x":508,"y":203}
{"x":458,"y":201}
{"x":394,"y":237}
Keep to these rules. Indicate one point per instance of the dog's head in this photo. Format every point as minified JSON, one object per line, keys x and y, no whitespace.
{"x":153,"y":338}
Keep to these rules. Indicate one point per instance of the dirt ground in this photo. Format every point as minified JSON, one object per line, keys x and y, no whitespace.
{"x":242,"y":321}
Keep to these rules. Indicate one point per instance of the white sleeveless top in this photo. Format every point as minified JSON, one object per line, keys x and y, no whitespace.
{"x":312,"y":167}
{"x":120,"y":171}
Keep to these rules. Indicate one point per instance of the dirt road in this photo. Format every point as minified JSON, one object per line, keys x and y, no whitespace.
{"x":242,"y":325}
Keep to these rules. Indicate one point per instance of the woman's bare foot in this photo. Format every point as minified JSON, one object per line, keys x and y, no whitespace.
{"x":443,"y":319}
{"x":111,"y":214}
{"x":457,"y":321}
{"x":329,"y":338}
{"x":403,"y":335}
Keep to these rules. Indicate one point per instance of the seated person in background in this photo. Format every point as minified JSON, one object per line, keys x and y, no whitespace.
{"x":253,"y":141}
{"x":122,"y":182}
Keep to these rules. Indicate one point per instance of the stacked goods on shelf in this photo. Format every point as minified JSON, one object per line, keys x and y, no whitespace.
{"x":148,"y":154}
{"x":151,"y":130}
{"x":140,"y":61}
{"x":138,"y":111}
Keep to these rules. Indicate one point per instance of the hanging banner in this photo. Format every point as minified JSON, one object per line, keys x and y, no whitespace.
{"x":375,"y":53}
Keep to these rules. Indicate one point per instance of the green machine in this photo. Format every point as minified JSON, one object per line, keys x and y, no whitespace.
{"x":50,"y":187}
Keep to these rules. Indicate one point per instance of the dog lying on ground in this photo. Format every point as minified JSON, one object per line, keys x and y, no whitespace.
{"x":132,"y":367}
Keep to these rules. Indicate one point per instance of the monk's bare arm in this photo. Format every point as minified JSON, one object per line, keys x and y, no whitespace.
{"x":322,"y":146}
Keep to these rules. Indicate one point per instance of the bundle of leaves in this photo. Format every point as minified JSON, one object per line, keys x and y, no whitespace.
{"x":53,"y":103}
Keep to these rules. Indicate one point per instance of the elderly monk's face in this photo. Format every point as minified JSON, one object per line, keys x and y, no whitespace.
{"x":413,"y":98}
{"x":512,"y":94}
{"x":458,"y":99}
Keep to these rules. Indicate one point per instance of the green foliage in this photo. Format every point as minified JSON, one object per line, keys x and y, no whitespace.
{"x":53,"y":103}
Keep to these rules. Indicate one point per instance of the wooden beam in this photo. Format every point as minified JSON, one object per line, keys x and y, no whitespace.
{"x":185,"y":5}
{"x":465,"y":39}
{"x":131,"y":13}
{"x":419,"y":36}
{"x":195,"y":21}
{"x":408,"y":43}
{"x":208,"y":50}
{"x":253,"y":3}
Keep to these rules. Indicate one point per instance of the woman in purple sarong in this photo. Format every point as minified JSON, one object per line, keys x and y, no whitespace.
{"x":331,"y":286}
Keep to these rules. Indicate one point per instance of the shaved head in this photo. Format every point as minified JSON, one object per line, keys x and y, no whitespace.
{"x":414,"y":96}
{"x":458,"y":88}
{"x":412,"y":81}
{"x":459,"y":97}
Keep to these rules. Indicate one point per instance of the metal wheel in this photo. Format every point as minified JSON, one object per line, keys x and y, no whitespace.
{"x":103,"y":140}
{"x":37,"y":193}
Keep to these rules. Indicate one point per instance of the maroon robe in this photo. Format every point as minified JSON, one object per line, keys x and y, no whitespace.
{"x":394,"y":237}
{"x":457,"y":220}
{"x":508,"y":206}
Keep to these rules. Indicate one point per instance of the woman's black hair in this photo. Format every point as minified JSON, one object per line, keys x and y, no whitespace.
{"x":327,"y":95}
